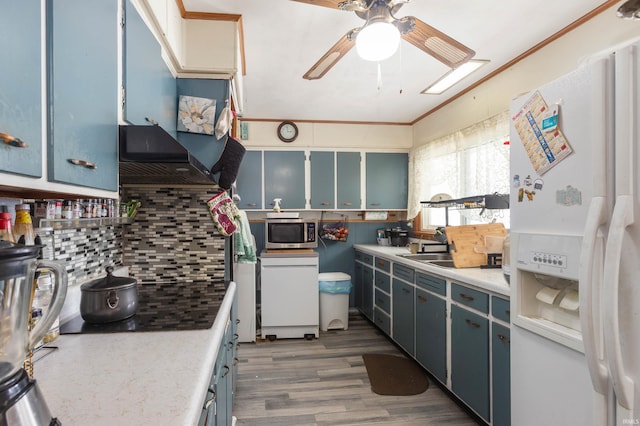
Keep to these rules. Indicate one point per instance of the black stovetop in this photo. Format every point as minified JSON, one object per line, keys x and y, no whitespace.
{"x":162,"y":307}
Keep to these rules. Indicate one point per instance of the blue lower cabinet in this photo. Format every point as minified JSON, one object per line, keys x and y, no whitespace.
{"x":470,"y":359}
{"x":403,"y":315}
{"x":367,"y":292}
{"x":500,"y":355}
{"x":431,"y":333}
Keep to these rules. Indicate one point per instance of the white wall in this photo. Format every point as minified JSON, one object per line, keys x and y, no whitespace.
{"x":332,"y":135}
{"x":547,"y":64}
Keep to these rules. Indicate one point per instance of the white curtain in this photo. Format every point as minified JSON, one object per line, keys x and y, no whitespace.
{"x":472,"y":161}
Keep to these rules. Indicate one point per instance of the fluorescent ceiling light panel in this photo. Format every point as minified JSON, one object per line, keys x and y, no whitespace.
{"x":454,"y":76}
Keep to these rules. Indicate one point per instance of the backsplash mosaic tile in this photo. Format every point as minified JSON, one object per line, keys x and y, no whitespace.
{"x":85,"y":252}
{"x":172,"y":238}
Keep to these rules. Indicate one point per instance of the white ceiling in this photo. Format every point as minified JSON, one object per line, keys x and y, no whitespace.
{"x":284,"y":38}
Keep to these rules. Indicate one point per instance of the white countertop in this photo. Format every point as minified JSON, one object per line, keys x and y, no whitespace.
{"x":144,"y":378}
{"x":489,"y":279}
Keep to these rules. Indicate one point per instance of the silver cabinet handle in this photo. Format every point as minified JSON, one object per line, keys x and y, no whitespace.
{"x":422,"y":298}
{"x":84,"y":163}
{"x":472,"y":324}
{"x":504,"y":338}
{"x":152,"y":121}
{"x":252,"y":204}
{"x":11,"y":140}
{"x":466,"y":297}
{"x":374,"y":204}
{"x":324,"y":203}
{"x":347,"y":204}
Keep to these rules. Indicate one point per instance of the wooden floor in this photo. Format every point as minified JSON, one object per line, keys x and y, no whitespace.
{"x":324,"y":382}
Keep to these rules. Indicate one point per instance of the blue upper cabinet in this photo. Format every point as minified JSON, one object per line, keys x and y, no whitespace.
{"x":20,"y":86}
{"x":82,"y":71}
{"x":284,"y":178}
{"x":149,"y":87}
{"x":249,"y":181}
{"x":322,"y":180}
{"x":207,"y":148}
{"x":387,"y":180}
{"x":348,"y":180}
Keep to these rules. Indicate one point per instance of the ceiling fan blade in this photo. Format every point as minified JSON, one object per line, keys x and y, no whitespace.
{"x":325,"y":3}
{"x":329,"y":59}
{"x":437,"y":44}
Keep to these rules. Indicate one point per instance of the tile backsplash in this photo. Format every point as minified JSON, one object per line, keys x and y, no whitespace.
{"x":172,"y":238}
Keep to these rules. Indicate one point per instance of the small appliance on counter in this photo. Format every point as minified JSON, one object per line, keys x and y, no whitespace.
{"x":21,"y":402}
{"x":398,"y":237}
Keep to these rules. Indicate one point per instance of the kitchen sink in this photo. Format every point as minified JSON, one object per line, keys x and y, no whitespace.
{"x":427,"y":256}
{"x":443,"y":263}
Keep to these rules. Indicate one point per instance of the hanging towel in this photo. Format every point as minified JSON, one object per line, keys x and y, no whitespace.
{"x":224,"y":122}
{"x":243,"y":241}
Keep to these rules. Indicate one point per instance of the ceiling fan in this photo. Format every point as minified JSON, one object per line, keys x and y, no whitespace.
{"x":425,"y":37}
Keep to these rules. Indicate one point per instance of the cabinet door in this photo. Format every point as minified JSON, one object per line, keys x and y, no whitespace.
{"x":501,"y":395}
{"x":387,"y":180}
{"x":322,"y":180}
{"x":21,"y":86}
{"x":83,"y":88}
{"x":470,"y":359}
{"x":367,"y":292}
{"x":431,"y":333}
{"x":249,"y":181}
{"x":348,"y":172}
{"x":150,"y":89}
{"x":284,"y":179}
{"x":403,"y":315}
{"x":357,"y":285}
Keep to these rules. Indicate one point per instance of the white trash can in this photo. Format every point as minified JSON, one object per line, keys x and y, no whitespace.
{"x":334,"y":290}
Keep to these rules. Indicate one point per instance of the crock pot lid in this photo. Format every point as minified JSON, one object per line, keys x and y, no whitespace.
{"x":110,"y":282}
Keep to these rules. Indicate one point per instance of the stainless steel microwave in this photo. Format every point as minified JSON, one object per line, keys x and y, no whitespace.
{"x":290,"y":233}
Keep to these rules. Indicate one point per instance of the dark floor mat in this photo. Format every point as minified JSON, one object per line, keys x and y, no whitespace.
{"x":395,"y":375}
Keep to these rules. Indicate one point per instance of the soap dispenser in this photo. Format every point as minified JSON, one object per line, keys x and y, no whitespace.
{"x":276,"y":205}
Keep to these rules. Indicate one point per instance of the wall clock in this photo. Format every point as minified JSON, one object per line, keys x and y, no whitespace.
{"x":287,"y":131}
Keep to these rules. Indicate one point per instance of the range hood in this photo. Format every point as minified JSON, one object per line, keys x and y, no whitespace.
{"x":150,"y":155}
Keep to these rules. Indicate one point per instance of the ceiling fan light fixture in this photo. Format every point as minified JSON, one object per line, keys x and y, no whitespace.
{"x":454,"y":76}
{"x":377,"y":41}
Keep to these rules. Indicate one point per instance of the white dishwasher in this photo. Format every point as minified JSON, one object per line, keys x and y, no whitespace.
{"x":289,"y":295}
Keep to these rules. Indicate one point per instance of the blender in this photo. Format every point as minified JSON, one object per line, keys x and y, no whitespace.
{"x":21,"y":402}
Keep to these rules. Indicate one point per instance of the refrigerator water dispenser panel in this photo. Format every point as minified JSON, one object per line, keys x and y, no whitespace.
{"x":547,"y":290}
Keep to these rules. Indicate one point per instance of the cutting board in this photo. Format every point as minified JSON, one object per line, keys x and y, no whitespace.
{"x":468,"y":243}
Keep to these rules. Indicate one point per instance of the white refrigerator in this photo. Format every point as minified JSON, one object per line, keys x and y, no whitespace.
{"x":575,"y":246}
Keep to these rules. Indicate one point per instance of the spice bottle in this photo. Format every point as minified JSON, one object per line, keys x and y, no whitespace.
{"x":6,"y":230}
{"x":23,"y":228}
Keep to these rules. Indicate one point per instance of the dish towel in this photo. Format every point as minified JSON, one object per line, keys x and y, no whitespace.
{"x":243,"y":241}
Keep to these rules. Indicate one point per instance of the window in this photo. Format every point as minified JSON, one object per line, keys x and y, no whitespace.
{"x":469,"y":162}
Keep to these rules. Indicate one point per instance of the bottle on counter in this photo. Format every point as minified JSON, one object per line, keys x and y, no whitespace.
{"x":6,"y":229}
{"x":23,"y":228}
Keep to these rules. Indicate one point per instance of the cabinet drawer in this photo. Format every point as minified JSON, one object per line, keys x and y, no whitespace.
{"x":501,"y":309}
{"x":428,"y":282}
{"x":364,"y":257}
{"x":382,"y":320}
{"x":383,"y":301}
{"x":383,"y":264}
{"x":403,"y":272}
{"x":383,"y":281}
{"x":470,"y":297}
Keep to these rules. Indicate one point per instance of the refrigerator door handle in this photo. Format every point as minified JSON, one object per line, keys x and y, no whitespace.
{"x":622,"y":217}
{"x":590,"y":313}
